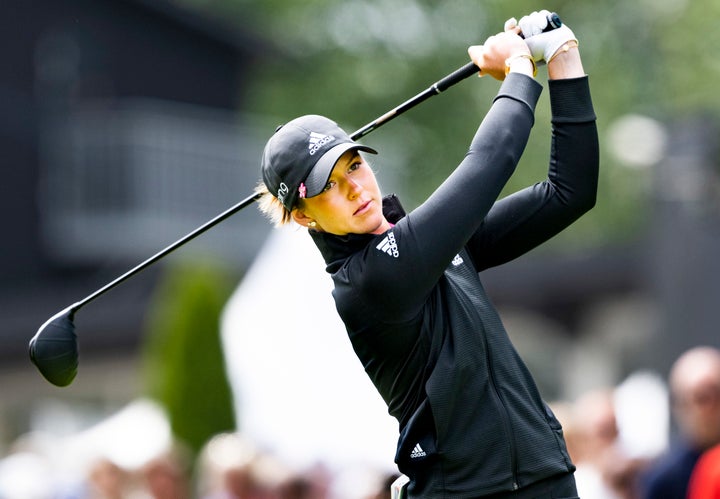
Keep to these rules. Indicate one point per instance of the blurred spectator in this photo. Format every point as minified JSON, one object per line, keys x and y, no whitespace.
{"x":231,"y":467}
{"x":312,"y":483}
{"x":695,"y":396}
{"x":564,"y":412}
{"x":384,"y":492}
{"x":106,"y":480}
{"x":604,"y":470}
{"x":593,"y":417}
{"x":167,"y":475}
{"x":223,"y":466}
{"x":298,"y":487}
{"x":705,"y":479}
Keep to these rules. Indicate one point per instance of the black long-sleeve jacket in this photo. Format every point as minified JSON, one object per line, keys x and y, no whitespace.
{"x":471,"y":419}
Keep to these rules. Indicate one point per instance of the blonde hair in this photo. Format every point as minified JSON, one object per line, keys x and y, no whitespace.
{"x":271,"y":207}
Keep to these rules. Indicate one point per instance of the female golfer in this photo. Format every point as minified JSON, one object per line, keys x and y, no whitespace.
{"x":472,"y":422}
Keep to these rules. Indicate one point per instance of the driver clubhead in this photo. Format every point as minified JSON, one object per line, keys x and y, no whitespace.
{"x":54,"y":349}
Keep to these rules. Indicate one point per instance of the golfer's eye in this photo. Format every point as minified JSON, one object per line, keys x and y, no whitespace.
{"x":328,"y":186}
{"x":354,"y":166}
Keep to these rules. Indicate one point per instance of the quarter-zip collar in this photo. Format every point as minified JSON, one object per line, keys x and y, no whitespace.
{"x":335,"y":249}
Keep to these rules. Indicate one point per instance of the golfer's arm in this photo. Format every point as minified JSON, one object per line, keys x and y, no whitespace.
{"x":448,"y":218}
{"x":528,"y":218}
{"x":431,"y":235}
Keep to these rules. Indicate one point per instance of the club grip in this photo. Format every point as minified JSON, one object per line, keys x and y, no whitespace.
{"x":456,"y":76}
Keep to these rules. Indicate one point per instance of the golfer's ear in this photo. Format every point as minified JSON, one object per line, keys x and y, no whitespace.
{"x":300,"y":217}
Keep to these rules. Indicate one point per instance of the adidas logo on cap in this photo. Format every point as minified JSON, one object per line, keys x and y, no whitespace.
{"x":317,"y":140}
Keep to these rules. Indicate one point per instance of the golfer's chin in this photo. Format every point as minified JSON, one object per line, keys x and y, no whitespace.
{"x":378,"y":225}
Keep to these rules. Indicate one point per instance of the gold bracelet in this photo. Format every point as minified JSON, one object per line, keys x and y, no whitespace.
{"x":509,"y":61}
{"x":567,"y":46}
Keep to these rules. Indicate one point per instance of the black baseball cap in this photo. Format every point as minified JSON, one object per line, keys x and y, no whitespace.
{"x":299,"y":157}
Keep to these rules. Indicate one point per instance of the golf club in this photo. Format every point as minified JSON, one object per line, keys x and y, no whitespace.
{"x":54,"y":348}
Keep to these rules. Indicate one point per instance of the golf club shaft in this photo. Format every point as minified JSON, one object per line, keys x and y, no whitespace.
{"x":439,"y":86}
{"x":434,"y":89}
{"x":180,"y":242}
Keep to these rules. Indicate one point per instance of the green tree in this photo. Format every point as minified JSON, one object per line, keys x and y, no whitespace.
{"x":184,"y":365}
{"x":354,"y":59}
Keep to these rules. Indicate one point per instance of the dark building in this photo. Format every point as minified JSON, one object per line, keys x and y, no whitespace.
{"x":120,"y":131}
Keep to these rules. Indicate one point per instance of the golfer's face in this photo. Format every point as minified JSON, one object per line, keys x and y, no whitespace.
{"x":351,"y":202}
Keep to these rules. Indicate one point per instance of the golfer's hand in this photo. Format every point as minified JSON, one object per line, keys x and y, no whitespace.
{"x":542,"y":45}
{"x":501,"y":49}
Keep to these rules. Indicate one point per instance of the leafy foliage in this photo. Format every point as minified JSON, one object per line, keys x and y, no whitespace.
{"x":352,"y":60}
{"x":184,"y":364}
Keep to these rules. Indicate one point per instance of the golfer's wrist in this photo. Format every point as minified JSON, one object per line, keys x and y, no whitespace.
{"x":521,"y":63}
{"x":566,"y":63}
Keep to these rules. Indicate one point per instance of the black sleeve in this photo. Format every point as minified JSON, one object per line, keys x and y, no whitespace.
{"x":524,"y":220}
{"x":396,"y":285}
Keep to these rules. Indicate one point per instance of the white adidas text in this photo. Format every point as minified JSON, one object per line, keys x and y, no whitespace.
{"x":389,"y":246}
{"x":317,"y":140}
{"x":417,"y":452}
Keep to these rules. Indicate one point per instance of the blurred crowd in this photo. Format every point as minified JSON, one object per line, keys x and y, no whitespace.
{"x":687,"y":468}
{"x":231,"y":466}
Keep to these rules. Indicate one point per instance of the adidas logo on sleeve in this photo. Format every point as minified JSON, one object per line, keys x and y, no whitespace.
{"x":389,"y":246}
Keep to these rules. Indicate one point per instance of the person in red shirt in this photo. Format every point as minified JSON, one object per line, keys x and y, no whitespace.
{"x":695,"y":395}
{"x":705,"y":479}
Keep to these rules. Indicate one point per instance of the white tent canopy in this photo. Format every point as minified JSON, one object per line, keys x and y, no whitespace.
{"x":299,"y":388}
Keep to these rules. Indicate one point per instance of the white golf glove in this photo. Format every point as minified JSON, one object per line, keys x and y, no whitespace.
{"x":542,"y":45}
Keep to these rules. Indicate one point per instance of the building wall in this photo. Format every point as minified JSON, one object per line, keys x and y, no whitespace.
{"x":123,"y":62}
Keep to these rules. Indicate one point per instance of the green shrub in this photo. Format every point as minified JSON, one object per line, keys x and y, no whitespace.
{"x":183,"y":358}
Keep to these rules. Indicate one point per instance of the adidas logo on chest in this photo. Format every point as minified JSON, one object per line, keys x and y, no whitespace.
{"x":389,"y":246}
